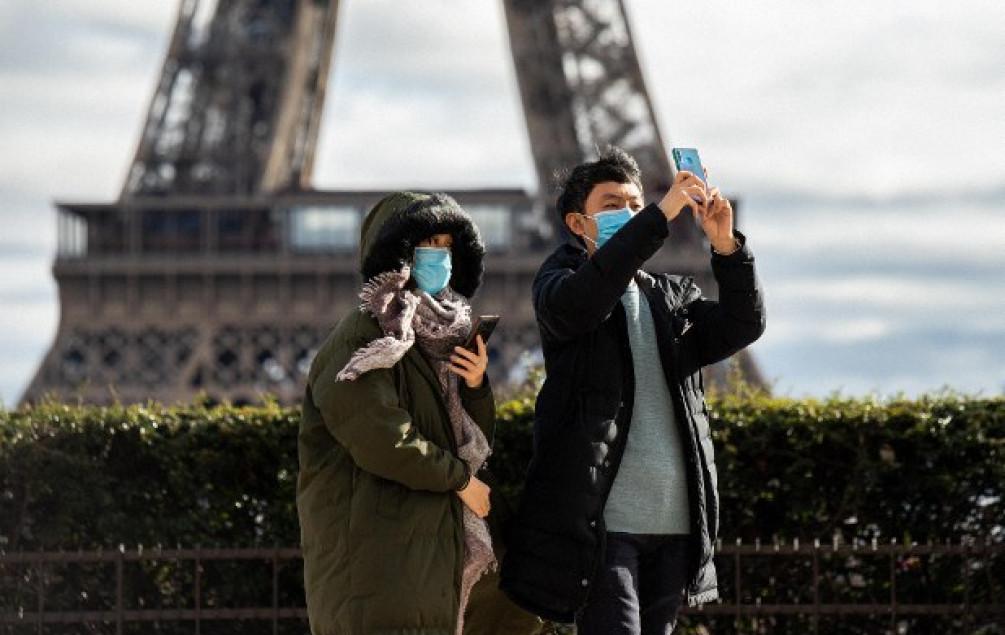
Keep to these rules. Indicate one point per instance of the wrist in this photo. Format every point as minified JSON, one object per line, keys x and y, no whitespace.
{"x":467,"y":479}
{"x":481,"y":380}
{"x":667,"y":207}
{"x":727,"y":246}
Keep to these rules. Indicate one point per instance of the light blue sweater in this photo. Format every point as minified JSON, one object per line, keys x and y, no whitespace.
{"x":649,"y":494}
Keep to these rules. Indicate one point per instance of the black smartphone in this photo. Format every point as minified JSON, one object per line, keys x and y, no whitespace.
{"x":484,"y":325}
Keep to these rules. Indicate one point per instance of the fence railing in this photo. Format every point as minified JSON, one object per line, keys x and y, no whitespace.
{"x":873,"y":595}
{"x":824,"y":580}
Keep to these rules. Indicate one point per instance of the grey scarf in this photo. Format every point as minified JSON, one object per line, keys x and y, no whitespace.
{"x":438,"y":324}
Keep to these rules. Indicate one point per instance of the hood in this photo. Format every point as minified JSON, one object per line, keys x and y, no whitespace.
{"x":400,"y":221}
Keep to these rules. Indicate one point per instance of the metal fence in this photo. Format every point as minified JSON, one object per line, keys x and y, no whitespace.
{"x":816,"y":581}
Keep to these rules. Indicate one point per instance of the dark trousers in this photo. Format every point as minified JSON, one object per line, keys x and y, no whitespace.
{"x":639,"y":588}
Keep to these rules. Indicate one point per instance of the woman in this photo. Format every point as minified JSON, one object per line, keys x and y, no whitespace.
{"x":397,"y":421}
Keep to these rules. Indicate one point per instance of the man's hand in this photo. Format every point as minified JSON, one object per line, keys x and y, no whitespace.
{"x":476,"y":496}
{"x":470,"y":366}
{"x":716,"y":221}
{"x":686,"y":190}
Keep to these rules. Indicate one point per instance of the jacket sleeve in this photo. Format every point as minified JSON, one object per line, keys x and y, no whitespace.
{"x":364,"y":416}
{"x":569,"y":303}
{"x":480,"y":405}
{"x":736,"y":320}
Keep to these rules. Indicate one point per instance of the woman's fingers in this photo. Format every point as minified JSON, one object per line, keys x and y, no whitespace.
{"x":476,"y":497}
{"x":463,"y":352}
{"x":480,"y":356}
{"x":466,"y":373}
{"x":463,"y":363}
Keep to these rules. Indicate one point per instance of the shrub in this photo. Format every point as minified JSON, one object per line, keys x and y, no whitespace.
{"x":82,"y":477}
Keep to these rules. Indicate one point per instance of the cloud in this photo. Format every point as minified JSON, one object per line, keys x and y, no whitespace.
{"x":75,"y":80}
{"x":788,"y":330}
{"x":857,"y":135}
{"x":910,"y":358}
{"x":25,"y":334}
{"x":945,"y":230}
{"x":831,"y":96}
{"x":423,"y":98}
{"x":902,"y":293}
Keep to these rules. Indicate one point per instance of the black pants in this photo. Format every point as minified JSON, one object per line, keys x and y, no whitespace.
{"x":639,"y":588}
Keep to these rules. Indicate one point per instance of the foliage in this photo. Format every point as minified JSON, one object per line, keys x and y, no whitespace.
{"x":81,"y":477}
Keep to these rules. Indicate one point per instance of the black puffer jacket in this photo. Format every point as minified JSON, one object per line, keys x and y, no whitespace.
{"x":556,"y":541}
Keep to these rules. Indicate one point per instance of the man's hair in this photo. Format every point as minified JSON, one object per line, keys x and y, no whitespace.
{"x":613,"y":164}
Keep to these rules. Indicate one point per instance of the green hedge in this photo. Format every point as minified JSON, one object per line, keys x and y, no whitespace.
{"x":925,"y":469}
{"x":87,"y":477}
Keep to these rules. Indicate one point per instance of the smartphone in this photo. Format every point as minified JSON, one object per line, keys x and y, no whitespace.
{"x":687,"y":159}
{"x":484,"y":325}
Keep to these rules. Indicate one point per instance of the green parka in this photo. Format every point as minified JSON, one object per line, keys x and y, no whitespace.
{"x":381,"y":527}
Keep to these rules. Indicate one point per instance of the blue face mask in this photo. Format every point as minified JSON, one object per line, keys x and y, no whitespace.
{"x":608,"y":224}
{"x":432,"y":268}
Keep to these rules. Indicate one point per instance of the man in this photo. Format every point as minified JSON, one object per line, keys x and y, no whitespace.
{"x":620,"y":509}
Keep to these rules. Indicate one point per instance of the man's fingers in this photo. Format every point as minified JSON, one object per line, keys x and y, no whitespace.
{"x":481,"y":346}
{"x":696,"y":191}
{"x":700,"y":213}
{"x":685,"y":176}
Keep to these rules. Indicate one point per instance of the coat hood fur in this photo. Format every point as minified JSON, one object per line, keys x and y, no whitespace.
{"x":400,"y":221}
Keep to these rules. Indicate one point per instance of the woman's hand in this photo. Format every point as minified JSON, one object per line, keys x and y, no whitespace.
{"x":687,"y":191}
{"x":470,"y":366}
{"x":476,"y":496}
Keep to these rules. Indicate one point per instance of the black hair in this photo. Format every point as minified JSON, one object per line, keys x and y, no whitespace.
{"x":612,"y":165}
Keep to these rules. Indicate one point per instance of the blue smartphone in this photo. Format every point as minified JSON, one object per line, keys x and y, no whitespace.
{"x":687,"y":159}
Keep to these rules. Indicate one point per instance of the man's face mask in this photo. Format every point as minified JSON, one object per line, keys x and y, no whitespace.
{"x":608,"y":224}
{"x":432,"y":268}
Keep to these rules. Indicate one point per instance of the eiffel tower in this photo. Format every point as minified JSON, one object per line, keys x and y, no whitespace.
{"x":219,"y":269}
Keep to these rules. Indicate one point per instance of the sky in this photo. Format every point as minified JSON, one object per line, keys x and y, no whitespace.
{"x":864,"y":139}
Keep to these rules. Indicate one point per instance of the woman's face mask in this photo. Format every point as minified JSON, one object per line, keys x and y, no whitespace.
{"x":431,"y":269}
{"x":608,"y":224}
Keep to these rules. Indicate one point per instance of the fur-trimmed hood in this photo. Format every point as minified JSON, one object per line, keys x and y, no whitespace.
{"x":400,"y":221}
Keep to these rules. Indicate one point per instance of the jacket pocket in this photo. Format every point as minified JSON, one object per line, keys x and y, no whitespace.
{"x":390,"y":499}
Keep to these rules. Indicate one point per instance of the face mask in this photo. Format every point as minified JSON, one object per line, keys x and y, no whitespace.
{"x":608,"y":224}
{"x":432,"y":268}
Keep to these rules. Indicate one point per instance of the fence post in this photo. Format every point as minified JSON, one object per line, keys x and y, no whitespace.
{"x":967,"y":615}
{"x":275,"y":589}
{"x":893,"y":589}
{"x":739,"y":597}
{"x":41,"y":596}
{"x":198,"y":591}
{"x":816,"y":586}
{"x":118,"y":590}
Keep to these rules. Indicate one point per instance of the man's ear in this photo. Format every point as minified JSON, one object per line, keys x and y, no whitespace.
{"x":574,"y":222}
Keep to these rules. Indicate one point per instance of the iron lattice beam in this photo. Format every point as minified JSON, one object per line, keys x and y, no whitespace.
{"x":582,"y":88}
{"x":239,"y":100}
